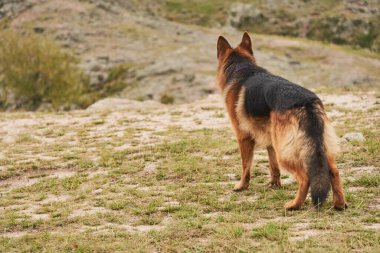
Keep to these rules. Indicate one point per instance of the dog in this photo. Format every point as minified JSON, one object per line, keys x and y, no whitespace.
{"x":288,"y":120}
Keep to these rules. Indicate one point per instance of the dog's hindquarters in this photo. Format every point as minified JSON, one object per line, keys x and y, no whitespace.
{"x":302,"y":139}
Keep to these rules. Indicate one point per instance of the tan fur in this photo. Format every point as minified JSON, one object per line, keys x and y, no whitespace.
{"x":336,"y":184}
{"x":287,"y":145}
{"x":288,"y":139}
{"x":331,"y":140}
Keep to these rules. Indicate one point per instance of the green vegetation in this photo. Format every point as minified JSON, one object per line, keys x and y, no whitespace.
{"x":270,"y":231}
{"x":83,"y":185}
{"x":197,"y":11}
{"x":167,"y":99}
{"x":116,"y":80}
{"x":326,"y":20}
{"x":34,"y":70}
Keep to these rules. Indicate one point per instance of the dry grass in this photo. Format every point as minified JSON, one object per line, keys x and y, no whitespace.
{"x":160,"y":179}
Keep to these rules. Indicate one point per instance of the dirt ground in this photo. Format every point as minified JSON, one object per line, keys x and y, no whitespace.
{"x":146,"y":177}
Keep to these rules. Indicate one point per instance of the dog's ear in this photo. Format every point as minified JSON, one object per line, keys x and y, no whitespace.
{"x":222,"y":46}
{"x":246,"y":43}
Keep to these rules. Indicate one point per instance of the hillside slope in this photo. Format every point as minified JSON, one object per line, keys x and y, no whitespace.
{"x":356,"y":23}
{"x":154,"y":57}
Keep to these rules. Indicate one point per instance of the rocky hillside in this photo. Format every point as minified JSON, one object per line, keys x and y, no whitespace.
{"x":356,"y":23}
{"x":149,"y":57}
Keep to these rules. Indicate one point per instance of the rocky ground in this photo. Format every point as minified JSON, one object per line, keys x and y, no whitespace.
{"x":145,"y":177}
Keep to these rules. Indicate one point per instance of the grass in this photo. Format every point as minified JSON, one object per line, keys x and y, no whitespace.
{"x":270,"y":231}
{"x":202,"y":12}
{"x":84,"y":183}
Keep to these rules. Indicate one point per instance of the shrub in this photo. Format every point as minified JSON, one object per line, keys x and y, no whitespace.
{"x":167,"y":99}
{"x":116,"y":80}
{"x":33,"y":70}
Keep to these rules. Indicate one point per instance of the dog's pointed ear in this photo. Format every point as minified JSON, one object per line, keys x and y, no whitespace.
{"x":222,"y":46}
{"x":246,"y":43}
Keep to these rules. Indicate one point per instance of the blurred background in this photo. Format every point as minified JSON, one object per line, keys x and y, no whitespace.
{"x":68,"y":54}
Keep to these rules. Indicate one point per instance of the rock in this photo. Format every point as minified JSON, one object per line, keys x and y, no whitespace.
{"x":339,"y":29}
{"x":97,"y":68}
{"x":231,"y":176}
{"x":120,"y":103}
{"x":9,"y":8}
{"x":98,"y":191}
{"x":244,"y":15}
{"x":150,"y":168}
{"x":162,"y":67}
{"x":354,"y":137}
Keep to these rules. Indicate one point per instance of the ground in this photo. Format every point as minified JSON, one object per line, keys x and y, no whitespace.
{"x":145,"y":177}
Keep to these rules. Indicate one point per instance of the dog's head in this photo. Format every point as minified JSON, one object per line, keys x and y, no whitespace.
{"x":227,"y":56}
{"x":224,"y":49}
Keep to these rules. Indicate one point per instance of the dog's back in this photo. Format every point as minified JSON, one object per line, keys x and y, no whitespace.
{"x":265,"y":92}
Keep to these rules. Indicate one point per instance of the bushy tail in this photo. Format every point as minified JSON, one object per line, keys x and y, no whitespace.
{"x":317,"y":167}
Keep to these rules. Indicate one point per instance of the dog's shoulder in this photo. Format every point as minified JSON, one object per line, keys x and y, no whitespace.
{"x":255,"y":100}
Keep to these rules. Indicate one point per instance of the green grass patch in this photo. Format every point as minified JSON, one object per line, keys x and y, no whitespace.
{"x":271,"y":231}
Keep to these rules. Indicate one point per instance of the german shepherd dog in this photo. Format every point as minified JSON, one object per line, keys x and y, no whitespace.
{"x":289,"y":120}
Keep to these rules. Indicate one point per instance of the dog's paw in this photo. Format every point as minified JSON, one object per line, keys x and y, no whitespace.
{"x":340,"y":207}
{"x":241,"y":186}
{"x":274,"y":184}
{"x":292,"y":206}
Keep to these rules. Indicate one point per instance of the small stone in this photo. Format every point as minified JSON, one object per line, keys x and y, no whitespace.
{"x":226,"y":157}
{"x":150,"y":168}
{"x":231,"y":176}
{"x":354,"y":137}
{"x":98,"y":191}
{"x":206,"y":157}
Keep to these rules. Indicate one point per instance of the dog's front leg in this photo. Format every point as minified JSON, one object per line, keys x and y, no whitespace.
{"x":246,"y":145}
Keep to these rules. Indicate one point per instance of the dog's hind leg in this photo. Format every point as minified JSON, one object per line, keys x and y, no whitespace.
{"x":303,"y":188}
{"x":273,"y":168}
{"x":336,"y":184}
{"x":246,"y":146}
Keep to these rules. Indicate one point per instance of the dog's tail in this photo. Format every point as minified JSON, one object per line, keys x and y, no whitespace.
{"x":316,"y":161}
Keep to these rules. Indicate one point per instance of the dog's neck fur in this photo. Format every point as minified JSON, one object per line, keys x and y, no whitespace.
{"x":237,"y":68}
{"x":242,"y":66}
